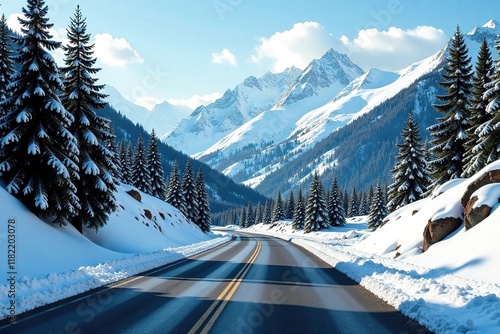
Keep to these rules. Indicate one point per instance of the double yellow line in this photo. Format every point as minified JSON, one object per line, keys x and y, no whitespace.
{"x":221,"y":301}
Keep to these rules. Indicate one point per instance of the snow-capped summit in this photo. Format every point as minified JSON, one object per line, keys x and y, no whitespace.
{"x":207,"y":124}
{"x":323,"y":78}
{"x":490,"y":30}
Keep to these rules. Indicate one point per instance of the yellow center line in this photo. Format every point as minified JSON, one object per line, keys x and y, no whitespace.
{"x":220,"y":302}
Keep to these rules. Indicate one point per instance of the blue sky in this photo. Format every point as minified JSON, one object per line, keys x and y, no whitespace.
{"x":191,"y":51}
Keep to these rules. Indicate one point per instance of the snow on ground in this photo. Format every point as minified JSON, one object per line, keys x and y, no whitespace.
{"x":453,"y":287}
{"x":52,"y":263}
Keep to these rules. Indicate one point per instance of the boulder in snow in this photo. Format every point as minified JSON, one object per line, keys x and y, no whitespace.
{"x":474,"y":215}
{"x":436,"y":231}
{"x":135,"y":194}
{"x":492,"y":176}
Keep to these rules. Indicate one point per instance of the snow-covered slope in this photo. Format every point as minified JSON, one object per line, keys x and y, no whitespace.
{"x":207,"y":124}
{"x":162,"y":118}
{"x":54,"y":262}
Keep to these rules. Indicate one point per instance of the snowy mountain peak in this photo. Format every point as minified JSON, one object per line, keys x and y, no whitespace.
{"x":333,"y":70}
{"x":490,"y":30}
{"x":491,"y":24}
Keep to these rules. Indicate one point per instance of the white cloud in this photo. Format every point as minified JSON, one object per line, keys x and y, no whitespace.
{"x":115,"y":51}
{"x":147,"y":102}
{"x":225,"y":56}
{"x":196,"y":100}
{"x":13,"y":22}
{"x":390,"y":50}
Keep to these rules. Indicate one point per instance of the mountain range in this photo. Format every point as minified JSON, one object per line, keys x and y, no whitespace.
{"x":271,"y":133}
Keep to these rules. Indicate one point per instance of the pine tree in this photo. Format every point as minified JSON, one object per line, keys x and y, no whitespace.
{"x":243,"y":217}
{"x":81,"y":97}
{"x":258,"y":213}
{"x":128,"y":165}
{"x":410,"y":174}
{"x":189,"y":193}
{"x":278,"y":213}
{"x":6,"y":66}
{"x":203,"y":220}
{"x":38,"y":154}
{"x":112,"y":146}
{"x":336,"y":215}
{"x":267,"y":214}
{"x":353,"y":209}
{"x":250,"y":219}
{"x":364,"y":204}
{"x":122,"y":163}
{"x":156,"y":172}
{"x":378,"y":210}
{"x":290,"y":206}
{"x":316,"y":210}
{"x":175,"y":196}
{"x":489,"y":132}
{"x":140,"y":170}
{"x":299,"y":214}
{"x":450,"y":133}
{"x":476,"y":155}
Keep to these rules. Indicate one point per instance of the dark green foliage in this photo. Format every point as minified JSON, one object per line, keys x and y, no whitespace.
{"x":250,"y":218}
{"x":6,"y":65}
{"x":316,"y":210}
{"x":140,"y":170}
{"x":410,"y":175}
{"x":378,"y":210}
{"x":450,"y":133}
{"x":203,"y":220}
{"x":336,"y":214}
{"x":267,"y":215}
{"x":38,"y":154}
{"x":353,"y":209}
{"x":278,"y":213}
{"x":156,"y":173}
{"x":81,"y":97}
{"x":175,"y":196}
{"x":290,"y":206}
{"x":243,"y":217}
{"x":299,"y":214}
{"x":191,"y":211}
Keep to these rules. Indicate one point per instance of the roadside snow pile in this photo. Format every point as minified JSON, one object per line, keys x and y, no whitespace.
{"x":54,"y":262}
{"x":453,"y":287}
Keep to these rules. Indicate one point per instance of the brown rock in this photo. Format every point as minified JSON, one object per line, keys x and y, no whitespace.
{"x":436,"y":231}
{"x":135,"y":194}
{"x":148,"y":214}
{"x":492,"y":176}
{"x":472,"y":215}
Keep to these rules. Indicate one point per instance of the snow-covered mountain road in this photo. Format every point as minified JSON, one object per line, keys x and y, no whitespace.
{"x":254,"y":284}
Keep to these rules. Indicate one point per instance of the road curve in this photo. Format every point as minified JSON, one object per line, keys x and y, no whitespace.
{"x":254,"y":284}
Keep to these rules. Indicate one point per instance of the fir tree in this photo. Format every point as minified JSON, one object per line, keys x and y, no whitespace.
{"x":278,"y":213}
{"x":378,"y":210}
{"x":243,"y":217}
{"x":364,"y":204}
{"x":267,"y":214}
{"x":250,"y":219}
{"x":290,"y":206}
{"x":203,"y":220}
{"x":258,"y":213}
{"x":299,"y":214}
{"x":140,"y":169}
{"x":38,"y":154}
{"x":353,"y":209}
{"x":410,"y":174}
{"x":156,"y":173}
{"x":123,"y":164}
{"x":6,"y":66}
{"x":336,"y":215}
{"x":128,"y":165}
{"x":189,"y":193}
{"x":476,"y":155}
{"x":450,"y":133}
{"x":489,"y":132}
{"x":175,"y":196}
{"x":316,"y":210}
{"x":112,"y":146}
{"x":81,"y":97}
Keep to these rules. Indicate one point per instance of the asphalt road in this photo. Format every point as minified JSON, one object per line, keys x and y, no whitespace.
{"x":253,"y":284}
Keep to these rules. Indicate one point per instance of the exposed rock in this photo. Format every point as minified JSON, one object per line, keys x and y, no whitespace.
{"x":472,"y":215}
{"x":148,"y":214}
{"x":161,"y":215}
{"x":135,"y":194}
{"x":436,"y":231}
{"x":493,"y":176}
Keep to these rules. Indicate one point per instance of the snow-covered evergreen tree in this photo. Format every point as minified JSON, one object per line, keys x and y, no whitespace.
{"x":128,"y":164}
{"x":203,"y":220}
{"x":258,"y":213}
{"x":191,"y":210}
{"x":243,"y":217}
{"x":290,"y":207}
{"x":278,"y":213}
{"x":267,"y":214}
{"x":140,"y":169}
{"x":175,"y":196}
{"x":316,"y":208}
{"x":81,"y":97}
{"x":450,"y":133}
{"x":122,"y":164}
{"x":336,"y":214}
{"x":476,"y":156}
{"x":353,"y":208}
{"x":489,"y":132}
{"x":38,"y":154}
{"x":299,"y":214}
{"x":250,"y":219}
{"x":378,"y":210}
{"x":117,"y":163}
{"x":156,"y":172}
{"x":410,"y":174}
{"x":6,"y":66}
